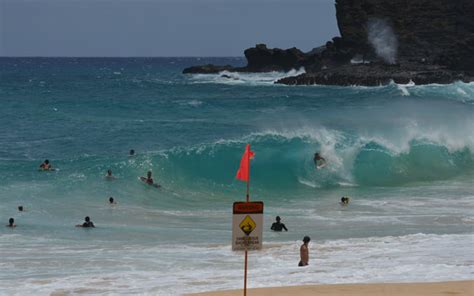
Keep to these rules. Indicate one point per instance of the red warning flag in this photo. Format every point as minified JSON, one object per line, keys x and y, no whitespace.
{"x":244,"y":170}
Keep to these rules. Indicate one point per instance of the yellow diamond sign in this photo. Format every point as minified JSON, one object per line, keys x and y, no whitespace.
{"x":247,"y":225}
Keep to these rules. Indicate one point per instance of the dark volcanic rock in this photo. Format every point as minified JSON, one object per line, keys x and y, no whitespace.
{"x":431,"y":41}
{"x":262,"y":59}
{"x":380,"y":74}
{"x":439,"y":31}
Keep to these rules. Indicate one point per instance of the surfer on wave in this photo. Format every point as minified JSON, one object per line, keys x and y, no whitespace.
{"x":319,"y":161}
{"x":149,"y":180}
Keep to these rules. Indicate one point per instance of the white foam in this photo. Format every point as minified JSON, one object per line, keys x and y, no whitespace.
{"x":173,"y":270}
{"x":309,"y":183}
{"x":240,"y":78}
{"x":404,"y":88}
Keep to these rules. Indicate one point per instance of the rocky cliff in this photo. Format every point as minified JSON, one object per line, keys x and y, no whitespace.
{"x":426,"y":41}
{"x":431,"y":31}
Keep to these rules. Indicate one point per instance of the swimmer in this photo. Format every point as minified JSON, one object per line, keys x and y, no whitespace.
{"x":109,"y":175}
{"x":87,"y":223}
{"x":278,"y":226}
{"x":344,"y":201}
{"x":11,"y":223}
{"x":112,"y":201}
{"x":319,"y":161}
{"x":131,"y":153}
{"x":45,"y":166}
{"x":304,"y":252}
{"x":20,"y":208}
{"x":149,"y":180}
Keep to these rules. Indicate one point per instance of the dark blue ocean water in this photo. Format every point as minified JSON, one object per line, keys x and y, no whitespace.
{"x":403,"y":153}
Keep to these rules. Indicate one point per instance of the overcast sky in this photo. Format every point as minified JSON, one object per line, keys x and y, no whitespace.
{"x":161,"y":27}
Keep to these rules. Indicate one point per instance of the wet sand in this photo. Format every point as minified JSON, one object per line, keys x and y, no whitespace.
{"x":458,"y":288}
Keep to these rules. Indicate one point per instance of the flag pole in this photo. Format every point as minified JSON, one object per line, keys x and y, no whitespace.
{"x":245,"y":274}
{"x":248,"y":200}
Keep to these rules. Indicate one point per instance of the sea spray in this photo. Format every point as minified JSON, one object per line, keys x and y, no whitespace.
{"x":383,"y":39}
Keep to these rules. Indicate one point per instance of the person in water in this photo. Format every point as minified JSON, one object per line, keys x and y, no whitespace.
{"x":87,"y":223}
{"x":344,"y":201}
{"x":109,"y":175}
{"x":11,"y":223}
{"x":278,"y":226}
{"x":304,"y":252}
{"x":45,"y":166}
{"x":20,"y":208}
{"x":148,"y":179}
{"x":131,"y":153}
{"x":319,"y":161}
{"x":112,"y":201}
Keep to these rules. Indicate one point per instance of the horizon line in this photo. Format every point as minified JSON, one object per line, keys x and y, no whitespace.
{"x":118,"y":57}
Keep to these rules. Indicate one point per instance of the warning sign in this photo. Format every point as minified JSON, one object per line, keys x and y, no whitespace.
{"x":247,"y":226}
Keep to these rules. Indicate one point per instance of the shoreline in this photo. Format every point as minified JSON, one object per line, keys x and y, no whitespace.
{"x":458,"y":288}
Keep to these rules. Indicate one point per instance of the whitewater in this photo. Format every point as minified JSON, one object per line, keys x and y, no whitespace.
{"x":403,"y":153}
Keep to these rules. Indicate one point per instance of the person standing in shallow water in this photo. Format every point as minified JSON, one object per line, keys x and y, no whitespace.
{"x":278,"y":226}
{"x":344,"y":201}
{"x":304,"y":252}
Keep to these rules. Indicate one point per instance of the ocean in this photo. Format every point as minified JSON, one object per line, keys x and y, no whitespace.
{"x":404,"y":154}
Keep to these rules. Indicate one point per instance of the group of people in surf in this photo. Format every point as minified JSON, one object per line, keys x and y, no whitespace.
{"x":47,"y":166}
{"x":304,"y":248}
{"x":278,"y":226}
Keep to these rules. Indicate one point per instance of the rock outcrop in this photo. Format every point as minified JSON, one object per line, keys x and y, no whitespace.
{"x":425,"y":41}
{"x":436,"y":31}
{"x":259,"y":59}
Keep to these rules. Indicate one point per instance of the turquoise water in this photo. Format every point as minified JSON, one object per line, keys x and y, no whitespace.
{"x":403,"y":153}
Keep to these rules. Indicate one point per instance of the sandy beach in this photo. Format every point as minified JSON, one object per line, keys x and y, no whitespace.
{"x":403,"y":289}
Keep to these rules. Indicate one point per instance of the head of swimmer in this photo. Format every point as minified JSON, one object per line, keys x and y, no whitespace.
{"x":306,"y":239}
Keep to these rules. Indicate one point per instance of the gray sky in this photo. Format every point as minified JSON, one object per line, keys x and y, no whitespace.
{"x":161,"y":27}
